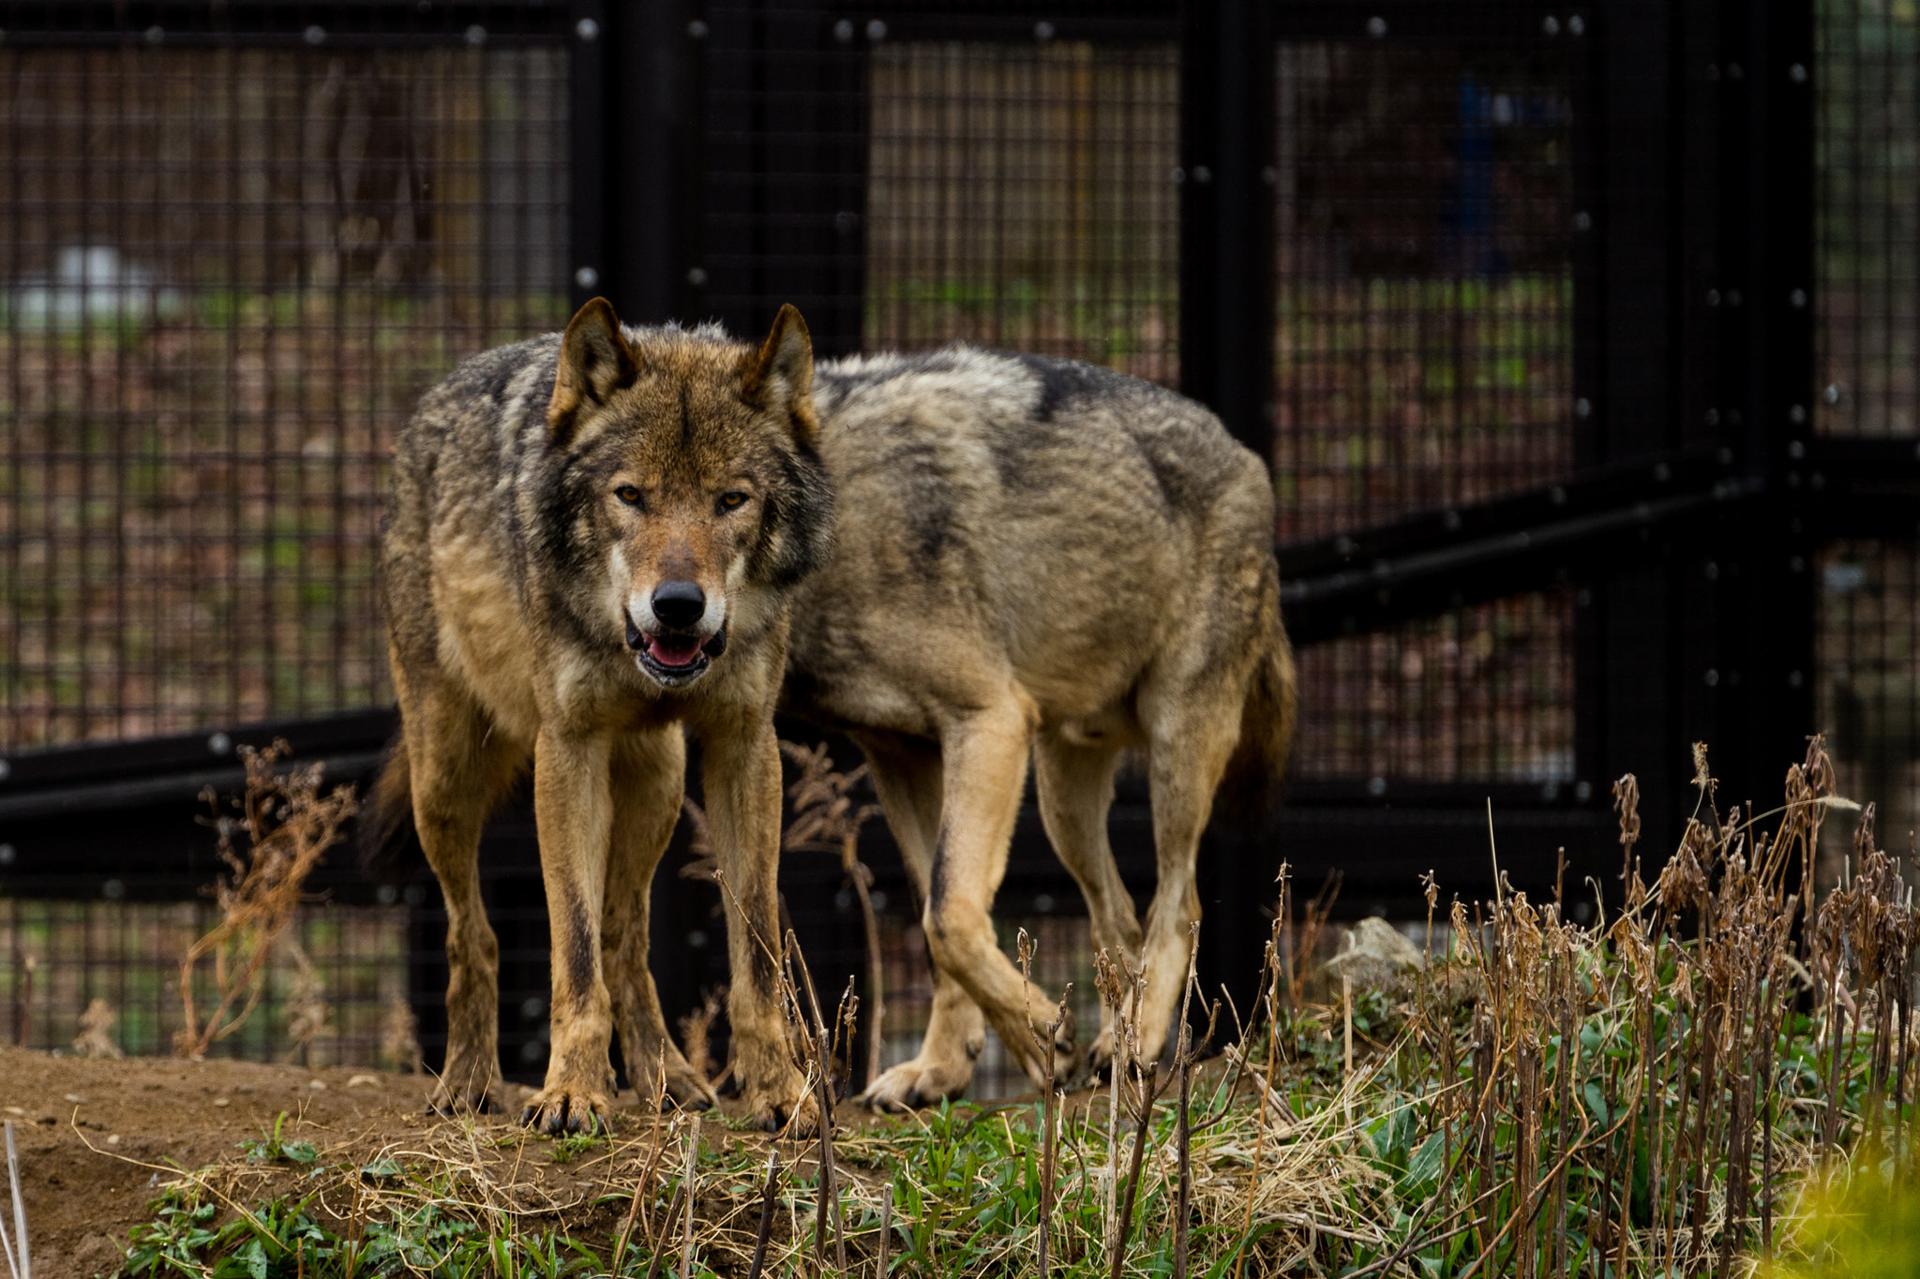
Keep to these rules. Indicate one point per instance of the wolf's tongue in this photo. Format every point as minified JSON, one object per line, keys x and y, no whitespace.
{"x":676,"y":650}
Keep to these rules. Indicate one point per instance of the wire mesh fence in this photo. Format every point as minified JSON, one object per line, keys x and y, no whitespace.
{"x":1019,"y":197}
{"x":1867,"y":370}
{"x":226,"y":272}
{"x":108,"y":971}
{"x":1482,"y":692}
{"x":1424,"y":331}
{"x":1867,"y":217}
{"x":1868,"y":656}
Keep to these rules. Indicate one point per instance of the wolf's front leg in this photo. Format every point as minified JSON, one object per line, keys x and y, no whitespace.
{"x":741,"y":780}
{"x":573,"y":811}
{"x":649,"y":769}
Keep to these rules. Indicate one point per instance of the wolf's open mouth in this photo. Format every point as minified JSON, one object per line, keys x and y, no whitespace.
{"x":675,"y":658}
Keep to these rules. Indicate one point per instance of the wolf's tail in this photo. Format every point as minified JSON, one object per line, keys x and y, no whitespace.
{"x":388,"y":841}
{"x":1250,"y":792}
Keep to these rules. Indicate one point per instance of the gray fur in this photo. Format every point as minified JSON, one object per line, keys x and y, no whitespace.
{"x":1036,"y":557}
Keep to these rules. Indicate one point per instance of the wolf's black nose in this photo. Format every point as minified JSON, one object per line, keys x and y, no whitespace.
{"x":680,"y":605}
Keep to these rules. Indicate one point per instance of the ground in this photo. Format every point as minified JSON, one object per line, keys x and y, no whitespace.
{"x":160,"y":1112}
{"x":94,"y":1137}
{"x":96,"y":1140}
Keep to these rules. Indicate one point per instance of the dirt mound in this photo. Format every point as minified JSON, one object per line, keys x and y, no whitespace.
{"x":160,"y":1112}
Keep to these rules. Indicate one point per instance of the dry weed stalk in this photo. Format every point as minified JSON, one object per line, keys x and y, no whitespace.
{"x":308,"y":1014}
{"x":400,"y":1039}
{"x":285,"y":824}
{"x":1640,"y":1059}
{"x":1049,"y":1100}
{"x":827,"y":819}
{"x":96,"y":1031}
{"x":696,"y":1032}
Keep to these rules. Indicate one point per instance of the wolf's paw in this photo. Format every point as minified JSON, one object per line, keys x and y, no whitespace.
{"x":917,"y":1082}
{"x":560,"y":1108}
{"x":687,"y":1089}
{"x":790,"y":1109}
{"x":447,"y":1099}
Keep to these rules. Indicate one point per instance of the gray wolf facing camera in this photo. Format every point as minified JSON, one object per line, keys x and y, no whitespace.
{"x":593,"y":547}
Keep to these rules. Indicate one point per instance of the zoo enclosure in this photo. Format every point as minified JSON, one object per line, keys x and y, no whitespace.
{"x":1582,"y":341}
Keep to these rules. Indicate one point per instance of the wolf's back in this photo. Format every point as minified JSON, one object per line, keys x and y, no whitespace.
{"x":1059,"y":507}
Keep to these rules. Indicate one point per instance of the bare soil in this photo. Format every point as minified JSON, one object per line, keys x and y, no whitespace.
{"x":96,"y":1137}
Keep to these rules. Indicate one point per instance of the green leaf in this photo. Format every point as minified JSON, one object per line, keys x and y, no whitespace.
{"x":1423,"y":1170}
{"x":1596,"y":1103}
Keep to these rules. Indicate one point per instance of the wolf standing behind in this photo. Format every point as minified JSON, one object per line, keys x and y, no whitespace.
{"x":1039,"y":558}
{"x":593,"y":543}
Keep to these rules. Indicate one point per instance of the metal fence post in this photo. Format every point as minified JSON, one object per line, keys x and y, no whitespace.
{"x":1769,"y":226}
{"x":1226,"y":175}
{"x":1639,"y":626}
{"x":637,"y":123}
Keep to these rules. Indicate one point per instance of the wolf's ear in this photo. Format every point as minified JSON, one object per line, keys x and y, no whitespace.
{"x":595,"y":361}
{"x":780,"y":374}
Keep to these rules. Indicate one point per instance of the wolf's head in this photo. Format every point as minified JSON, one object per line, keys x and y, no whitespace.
{"x":693,"y":468}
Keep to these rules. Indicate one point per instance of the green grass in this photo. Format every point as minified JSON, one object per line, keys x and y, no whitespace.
{"x":275,"y":1148}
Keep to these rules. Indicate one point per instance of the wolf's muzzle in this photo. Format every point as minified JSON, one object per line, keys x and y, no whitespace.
{"x":676,"y":658}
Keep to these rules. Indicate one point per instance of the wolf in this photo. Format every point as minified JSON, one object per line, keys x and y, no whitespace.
{"x":1039,"y":560}
{"x":592,"y":547}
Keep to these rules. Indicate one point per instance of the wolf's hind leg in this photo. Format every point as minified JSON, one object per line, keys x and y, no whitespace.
{"x":1075,"y":786}
{"x":1192,"y":734}
{"x":906,"y":776}
{"x":985,"y":766}
{"x":458,"y":770}
{"x":649,"y":771}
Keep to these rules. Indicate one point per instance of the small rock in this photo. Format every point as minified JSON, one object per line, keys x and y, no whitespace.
{"x":75,"y":1098}
{"x":15,"y":1110}
{"x":222,"y":1101}
{"x":1374,"y":955}
{"x":113,"y":1139}
{"x":318,"y":1085}
{"x":97,"y":1254}
{"x":364,"y":1081}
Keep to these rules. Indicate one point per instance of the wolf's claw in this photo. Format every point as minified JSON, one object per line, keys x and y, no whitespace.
{"x":792,"y":1111}
{"x":555,"y":1111}
{"x":916,"y":1083}
{"x":447,"y":1101}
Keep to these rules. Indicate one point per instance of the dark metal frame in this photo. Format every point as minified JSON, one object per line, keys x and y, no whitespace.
{"x":1689,"y":531}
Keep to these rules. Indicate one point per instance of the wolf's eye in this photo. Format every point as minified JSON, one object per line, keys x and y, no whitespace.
{"x":630,"y":495}
{"x":732,"y":501}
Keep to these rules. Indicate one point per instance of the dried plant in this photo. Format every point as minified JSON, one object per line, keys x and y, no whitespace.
{"x":400,"y":1039}
{"x":827,"y":818}
{"x":96,"y":1030}
{"x":696,"y":1032}
{"x":270,"y":838}
{"x":308,"y":1015}
{"x":28,"y":966}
